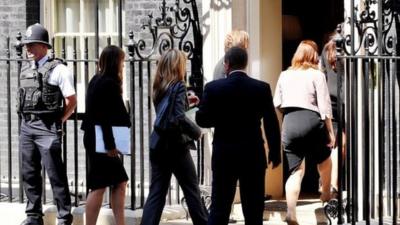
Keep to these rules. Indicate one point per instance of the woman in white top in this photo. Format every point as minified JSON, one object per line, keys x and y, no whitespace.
{"x":302,"y":96}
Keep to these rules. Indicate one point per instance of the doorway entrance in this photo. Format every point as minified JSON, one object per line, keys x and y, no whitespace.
{"x":314,"y":20}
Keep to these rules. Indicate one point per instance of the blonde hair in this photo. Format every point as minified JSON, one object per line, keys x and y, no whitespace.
{"x":171,"y":68}
{"x":236,"y":38}
{"x":306,"y":56}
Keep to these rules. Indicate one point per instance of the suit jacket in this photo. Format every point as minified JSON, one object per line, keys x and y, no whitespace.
{"x":186,"y":132}
{"x":104,"y":107}
{"x":235,"y":106}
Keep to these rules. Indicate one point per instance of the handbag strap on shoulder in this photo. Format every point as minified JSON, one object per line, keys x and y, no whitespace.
{"x":172,"y":97}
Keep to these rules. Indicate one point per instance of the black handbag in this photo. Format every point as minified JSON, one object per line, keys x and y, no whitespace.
{"x":165,"y":121}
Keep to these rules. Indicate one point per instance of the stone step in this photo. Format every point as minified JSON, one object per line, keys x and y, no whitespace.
{"x":309,"y":212}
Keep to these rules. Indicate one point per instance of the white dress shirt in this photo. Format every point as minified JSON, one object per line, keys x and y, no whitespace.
{"x":303,"y":89}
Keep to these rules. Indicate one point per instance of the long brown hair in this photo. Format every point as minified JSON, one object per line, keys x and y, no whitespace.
{"x":110,"y":63}
{"x":171,"y":68}
{"x":330,"y":53}
{"x":306,"y":56}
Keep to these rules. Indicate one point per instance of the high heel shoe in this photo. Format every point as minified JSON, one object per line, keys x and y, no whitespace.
{"x":325,"y":197}
{"x":291,"y":222}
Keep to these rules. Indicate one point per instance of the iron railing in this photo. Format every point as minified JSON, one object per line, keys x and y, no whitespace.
{"x":367,"y":46}
{"x":178,"y":27}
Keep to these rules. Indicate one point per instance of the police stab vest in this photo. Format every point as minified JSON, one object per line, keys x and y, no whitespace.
{"x":36,"y":95}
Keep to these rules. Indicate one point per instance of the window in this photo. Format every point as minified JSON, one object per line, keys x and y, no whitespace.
{"x":71,"y":19}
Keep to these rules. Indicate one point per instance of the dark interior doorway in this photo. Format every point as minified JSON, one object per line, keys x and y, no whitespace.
{"x":315,"y":20}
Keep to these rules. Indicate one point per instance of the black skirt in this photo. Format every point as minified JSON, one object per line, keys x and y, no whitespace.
{"x":103,"y":171}
{"x":304,"y":135}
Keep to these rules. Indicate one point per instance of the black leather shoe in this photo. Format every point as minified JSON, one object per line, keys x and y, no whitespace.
{"x":31,"y":221}
{"x":65,"y":221}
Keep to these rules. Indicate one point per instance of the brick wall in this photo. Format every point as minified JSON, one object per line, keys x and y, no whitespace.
{"x":12,"y":20}
{"x":32,"y":12}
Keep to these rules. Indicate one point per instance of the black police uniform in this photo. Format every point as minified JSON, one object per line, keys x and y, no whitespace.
{"x":41,"y":110}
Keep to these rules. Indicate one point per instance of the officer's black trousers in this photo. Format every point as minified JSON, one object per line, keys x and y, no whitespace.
{"x":39,"y":142}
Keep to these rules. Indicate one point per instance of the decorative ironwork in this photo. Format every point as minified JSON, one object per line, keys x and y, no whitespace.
{"x":372,"y":35}
{"x":369,"y":51}
{"x":172,"y":30}
{"x":18,"y":45}
{"x":331,"y":209}
{"x":166,"y":30}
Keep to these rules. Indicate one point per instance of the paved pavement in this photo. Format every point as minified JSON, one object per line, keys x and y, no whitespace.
{"x":310,"y":212}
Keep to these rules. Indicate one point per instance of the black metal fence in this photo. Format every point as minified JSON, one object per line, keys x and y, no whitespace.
{"x":181,"y":30}
{"x":369,"y":176}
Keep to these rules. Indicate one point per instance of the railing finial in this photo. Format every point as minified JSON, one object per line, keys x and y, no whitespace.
{"x":131,"y":45}
{"x":18,"y":45}
{"x":338,"y":38}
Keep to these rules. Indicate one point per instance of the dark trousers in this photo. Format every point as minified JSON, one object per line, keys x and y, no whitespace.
{"x":162,"y":168}
{"x":39,"y":142}
{"x":225,"y":175}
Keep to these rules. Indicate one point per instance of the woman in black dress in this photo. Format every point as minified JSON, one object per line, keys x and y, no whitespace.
{"x":105,"y":107}
{"x":169,"y":152}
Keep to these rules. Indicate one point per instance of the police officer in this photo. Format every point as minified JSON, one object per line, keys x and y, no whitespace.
{"x":46,"y":99}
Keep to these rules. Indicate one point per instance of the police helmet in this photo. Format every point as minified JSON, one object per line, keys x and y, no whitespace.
{"x":36,"y":33}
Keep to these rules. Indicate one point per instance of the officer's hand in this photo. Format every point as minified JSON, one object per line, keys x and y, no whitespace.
{"x":112,"y":153}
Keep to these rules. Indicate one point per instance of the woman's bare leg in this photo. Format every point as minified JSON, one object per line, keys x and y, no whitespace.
{"x":118,"y":203}
{"x":325,"y":170}
{"x":335,"y":168}
{"x":93,"y":204}
{"x":292,"y":187}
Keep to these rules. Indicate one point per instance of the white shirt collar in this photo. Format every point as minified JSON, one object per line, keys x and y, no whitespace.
{"x":234,"y":71}
{"x":42,"y":61}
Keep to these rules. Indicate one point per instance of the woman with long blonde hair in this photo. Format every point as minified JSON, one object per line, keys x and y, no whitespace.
{"x":302,"y":96}
{"x":169,"y":151}
{"x":170,"y":69}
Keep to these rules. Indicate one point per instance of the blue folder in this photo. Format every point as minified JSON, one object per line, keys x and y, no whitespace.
{"x":122,"y":138}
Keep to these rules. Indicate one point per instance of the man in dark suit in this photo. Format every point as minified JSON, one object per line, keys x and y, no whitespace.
{"x":235,"y":107}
